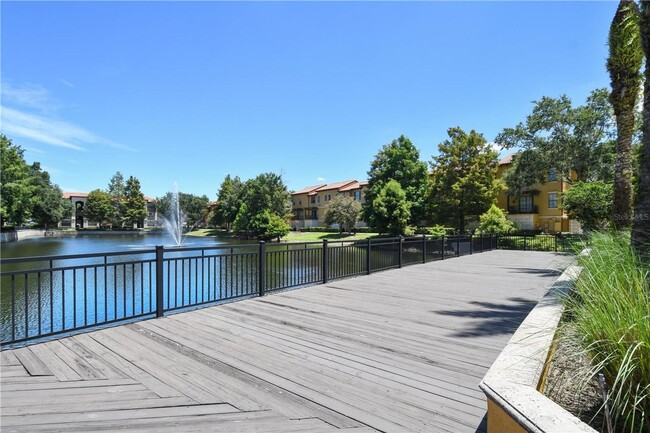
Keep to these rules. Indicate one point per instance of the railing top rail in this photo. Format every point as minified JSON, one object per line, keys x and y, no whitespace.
{"x":74,"y":256}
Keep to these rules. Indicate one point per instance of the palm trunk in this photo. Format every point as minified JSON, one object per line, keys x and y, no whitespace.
{"x":622,"y":208}
{"x":641,"y":228}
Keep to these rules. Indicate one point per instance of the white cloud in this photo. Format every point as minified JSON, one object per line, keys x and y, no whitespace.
{"x":495,"y":146}
{"x":44,"y":127}
{"x":31,"y":96}
{"x":66,"y":82}
{"x":320,"y":179}
{"x":49,"y":130}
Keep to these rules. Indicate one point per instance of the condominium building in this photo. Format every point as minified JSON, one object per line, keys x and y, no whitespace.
{"x":311,"y":203}
{"x":538,"y":206}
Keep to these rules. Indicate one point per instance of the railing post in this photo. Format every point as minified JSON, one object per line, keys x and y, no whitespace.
{"x":401,"y":247}
{"x":325,"y":261}
{"x":262,"y":268}
{"x":471,"y":244}
{"x":457,"y":245}
{"x":424,"y":248}
{"x":160,"y":307}
{"x":442,"y":248}
{"x":368,"y":262}
{"x":525,"y":242}
{"x":555,"y":242}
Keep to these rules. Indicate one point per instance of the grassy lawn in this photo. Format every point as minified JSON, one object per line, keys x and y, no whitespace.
{"x":220,"y":233}
{"x":315,"y":236}
{"x":291,"y":237}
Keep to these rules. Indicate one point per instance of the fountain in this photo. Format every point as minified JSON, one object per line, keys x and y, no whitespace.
{"x":176,"y":220}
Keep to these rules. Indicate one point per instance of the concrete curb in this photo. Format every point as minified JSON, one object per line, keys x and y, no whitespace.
{"x":514,"y":404}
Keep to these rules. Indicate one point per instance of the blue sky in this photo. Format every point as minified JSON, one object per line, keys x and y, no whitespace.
{"x":188,"y":92}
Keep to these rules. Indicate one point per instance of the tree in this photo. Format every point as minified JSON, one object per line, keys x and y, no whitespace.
{"x":494,"y":221}
{"x":193,"y":207}
{"x":267,"y":191}
{"x":641,"y":227}
{"x":47,"y":204}
{"x":99,"y":207}
{"x":590,"y":203}
{"x":135,"y":205}
{"x":464,"y":178}
{"x":343,"y":211}
{"x":116,"y":190}
{"x":398,"y":161}
{"x":229,"y":200}
{"x":15,"y":191}
{"x":267,"y":225}
{"x":392,"y":209}
{"x":242,"y":220}
{"x":624,"y":65}
{"x":571,"y":140}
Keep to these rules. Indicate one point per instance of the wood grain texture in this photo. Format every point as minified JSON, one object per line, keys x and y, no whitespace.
{"x":396,"y":351}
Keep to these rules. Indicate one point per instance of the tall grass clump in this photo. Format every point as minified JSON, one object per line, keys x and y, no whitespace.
{"x":611,"y":312}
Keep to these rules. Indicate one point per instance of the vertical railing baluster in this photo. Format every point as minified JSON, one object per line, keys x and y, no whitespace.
{"x":442,"y":248}
{"x":85,"y":296}
{"x":13,"y":307}
{"x":95,"y":285}
{"x":105,"y":288}
{"x":160,"y":311}
{"x":74,"y":298}
{"x":262,"y":268}
{"x":51,"y":297}
{"x":368,"y":263}
{"x":424,"y":248}
{"x":400,"y":251}
{"x":63,"y":300}
{"x":40,"y":305}
{"x":325,"y":261}
{"x":26,"y":289}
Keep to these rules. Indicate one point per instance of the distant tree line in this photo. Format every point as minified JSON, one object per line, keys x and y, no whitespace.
{"x":121,"y":205}
{"x":27,"y":195}
{"x":256,"y":208}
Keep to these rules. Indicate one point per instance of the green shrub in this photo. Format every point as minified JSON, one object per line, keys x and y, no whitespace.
{"x":611,"y":310}
{"x":436,"y":230}
{"x":494,"y":221}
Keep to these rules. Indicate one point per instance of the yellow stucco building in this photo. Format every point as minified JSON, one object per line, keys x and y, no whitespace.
{"x":538,"y":206}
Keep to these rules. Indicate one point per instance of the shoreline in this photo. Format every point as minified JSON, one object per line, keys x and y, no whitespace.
{"x":23,"y":234}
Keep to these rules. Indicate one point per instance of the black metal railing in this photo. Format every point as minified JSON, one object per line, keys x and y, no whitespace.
{"x":47,"y":296}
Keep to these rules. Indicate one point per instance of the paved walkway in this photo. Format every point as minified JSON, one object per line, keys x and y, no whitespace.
{"x":397,"y":351}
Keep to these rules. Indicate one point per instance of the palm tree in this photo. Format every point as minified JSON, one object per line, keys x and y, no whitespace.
{"x":624,"y":66}
{"x":641,"y":229}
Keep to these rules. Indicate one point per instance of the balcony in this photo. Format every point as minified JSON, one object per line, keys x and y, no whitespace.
{"x":523,"y":209}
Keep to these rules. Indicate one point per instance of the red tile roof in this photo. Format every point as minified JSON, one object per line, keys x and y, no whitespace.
{"x":308,"y":189}
{"x":336,"y":185}
{"x":507,"y":159}
{"x":75,"y":194}
{"x":355,"y":185}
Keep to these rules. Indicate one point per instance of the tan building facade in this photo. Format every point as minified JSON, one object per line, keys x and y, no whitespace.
{"x":538,"y":206}
{"x":78,"y":221}
{"x":310,"y":204}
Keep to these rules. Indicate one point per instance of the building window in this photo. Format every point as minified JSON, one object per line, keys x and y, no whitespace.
{"x":552,"y":200}
{"x":357,"y":195}
{"x":526,"y":204}
{"x":552,"y":175}
{"x":299,"y":202}
{"x":313,"y":199}
{"x":318,"y":199}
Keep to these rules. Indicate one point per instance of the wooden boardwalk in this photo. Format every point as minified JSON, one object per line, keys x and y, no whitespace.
{"x":397,"y":351}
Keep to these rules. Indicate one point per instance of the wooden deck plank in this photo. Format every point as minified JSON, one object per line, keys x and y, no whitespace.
{"x":31,"y":362}
{"x":396,"y":351}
